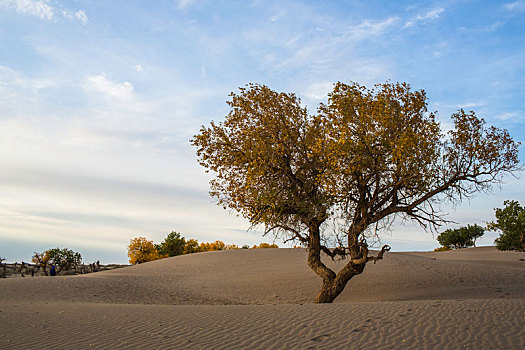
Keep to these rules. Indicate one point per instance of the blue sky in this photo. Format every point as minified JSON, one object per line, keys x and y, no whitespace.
{"x":98,"y":100}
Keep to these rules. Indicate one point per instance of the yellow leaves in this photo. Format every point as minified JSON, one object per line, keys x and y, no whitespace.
{"x":141,"y":250}
{"x":265,"y":246}
{"x":275,"y":162}
{"x":43,"y":258}
{"x":217,"y":245}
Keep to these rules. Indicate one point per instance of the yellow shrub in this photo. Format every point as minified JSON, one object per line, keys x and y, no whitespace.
{"x":265,"y":245}
{"x":217,"y":245}
{"x":442,"y":249}
{"x":192,"y":246}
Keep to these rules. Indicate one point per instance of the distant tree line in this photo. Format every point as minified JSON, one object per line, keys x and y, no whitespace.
{"x":510,"y":221}
{"x":51,"y":262}
{"x":141,"y":250}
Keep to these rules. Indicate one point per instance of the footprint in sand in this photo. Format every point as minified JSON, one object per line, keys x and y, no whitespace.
{"x":320,"y":337}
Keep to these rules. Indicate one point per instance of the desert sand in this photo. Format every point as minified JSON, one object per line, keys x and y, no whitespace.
{"x":262,"y":298}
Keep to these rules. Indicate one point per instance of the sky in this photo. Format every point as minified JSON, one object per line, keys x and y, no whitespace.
{"x":98,"y":101}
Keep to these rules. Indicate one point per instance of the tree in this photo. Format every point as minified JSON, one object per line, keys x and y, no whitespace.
{"x":208,"y":247}
{"x":462,"y":237}
{"x":64,"y":259}
{"x":366,"y":157}
{"x":172,"y":245}
{"x":511,"y":222}
{"x":192,"y":246}
{"x":41,"y":260}
{"x":140,"y":250}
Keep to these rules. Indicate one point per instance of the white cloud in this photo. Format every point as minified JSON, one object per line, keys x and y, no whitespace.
{"x":369,"y":28}
{"x":37,"y":8}
{"x":41,"y":9}
{"x":101,"y":83}
{"x":139,"y":68}
{"x":80,"y":15}
{"x":277,"y":16}
{"x":472,"y":104}
{"x":495,"y":26}
{"x":429,"y":15}
{"x":513,"y":116}
{"x":318,"y":91}
{"x":183,"y":4}
{"x":19,"y":94}
{"x":515,"y":6}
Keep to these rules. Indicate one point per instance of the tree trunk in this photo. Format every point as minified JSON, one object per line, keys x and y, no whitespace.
{"x":331,"y":289}
{"x":314,"y":257}
{"x":333,"y":284}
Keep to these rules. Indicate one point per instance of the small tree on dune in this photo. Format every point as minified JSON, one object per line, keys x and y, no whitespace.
{"x":140,"y":250}
{"x":366,"y":157}
{"x":511,"y":222}
{"x":64,"y":258}
{"x":462,"y":237}
{"x":172,"y":245}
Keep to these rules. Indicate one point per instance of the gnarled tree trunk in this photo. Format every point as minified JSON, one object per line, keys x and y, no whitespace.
{"x":334,"y":284}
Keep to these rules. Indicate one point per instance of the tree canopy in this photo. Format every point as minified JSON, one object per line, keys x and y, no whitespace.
{"x":172,"y":245}
{"x":140,"y":250}
{"x":365,"y":157}
{"x":511,"y":222}
{"x":64,"y":259}
{"x":462,"y":237}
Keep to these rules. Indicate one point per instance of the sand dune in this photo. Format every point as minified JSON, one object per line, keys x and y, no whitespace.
{"x":472,"y":298}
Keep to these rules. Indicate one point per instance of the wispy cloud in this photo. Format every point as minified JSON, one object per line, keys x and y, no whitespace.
{"x":183,"y":4}
{"x":40,"y":9}
{"x":472,"y":104}
{"x":19,"y":94}
{"x":369,"y":28}
{"x":515,"y":6}
{"x":429,"y":15}
{"x":495,"y":26}
{"x":102,"y":84}
{"x":318,"y":91}
{"x":511,"y":116}
{"x":79,"y":15}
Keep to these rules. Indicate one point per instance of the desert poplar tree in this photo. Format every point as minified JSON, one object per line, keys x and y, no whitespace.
{"x":366,"y":157}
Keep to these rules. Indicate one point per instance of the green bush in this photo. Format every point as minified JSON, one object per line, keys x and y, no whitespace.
{"x":462,"y":237}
